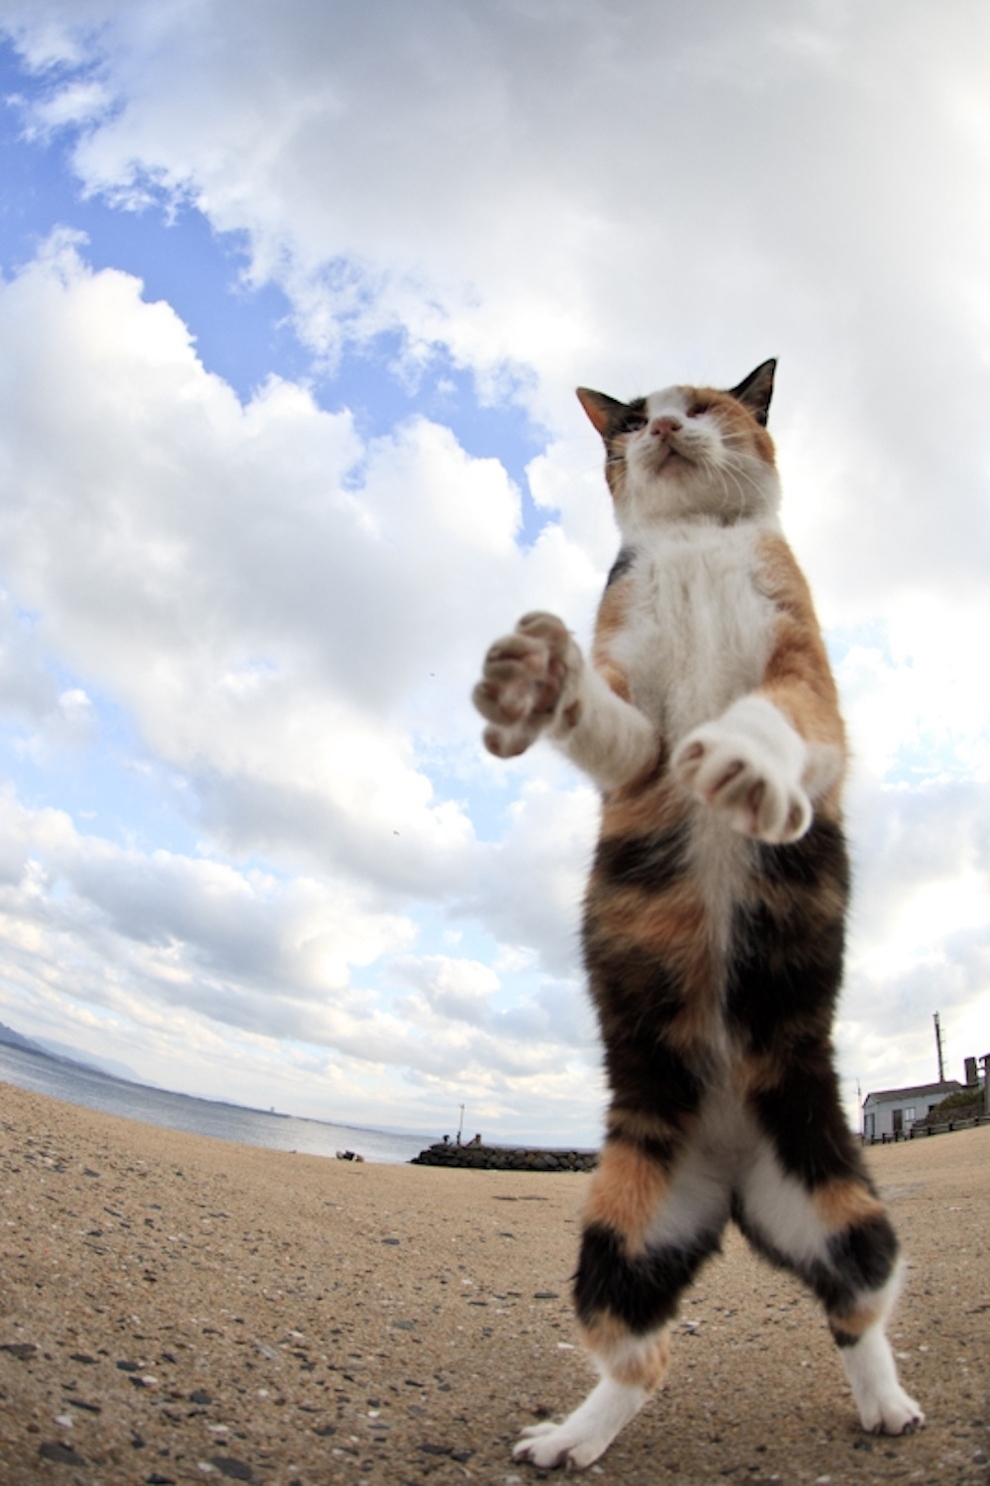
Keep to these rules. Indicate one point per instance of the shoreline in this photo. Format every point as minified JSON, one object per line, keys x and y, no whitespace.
{"x":93,"y":1089}
{"x":174,"y":1308}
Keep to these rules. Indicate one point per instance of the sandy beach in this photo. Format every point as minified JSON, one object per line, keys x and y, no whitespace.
{"x":177,"y":1309}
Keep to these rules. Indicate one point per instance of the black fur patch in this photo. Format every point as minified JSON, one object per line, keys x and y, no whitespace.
{"x":628,"y":416}
{"x":865,"y":1253}
{"x":785,"y":971}
{"x":620,"y":566}
{"x":861,"y":1258}
{"x":651,"y":1079}
{"x":819,"y":857}
{"x":637,"y":995}
{"x":804,"y":1119}
{"x":661,"y":1150}
{"x":642,"y":1292}
{"x":653,"y":862}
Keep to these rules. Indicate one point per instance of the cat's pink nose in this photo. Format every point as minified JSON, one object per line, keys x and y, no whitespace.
{"x":663,"y":427}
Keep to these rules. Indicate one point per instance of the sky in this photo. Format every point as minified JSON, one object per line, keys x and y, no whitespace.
{"x":293,"y":302}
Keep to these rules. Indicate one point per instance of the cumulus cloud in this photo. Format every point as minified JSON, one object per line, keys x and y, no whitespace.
{"x":155,"y":940}
{"x":272,"y":600}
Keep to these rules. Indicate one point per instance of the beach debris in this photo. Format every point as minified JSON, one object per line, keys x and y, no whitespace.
{"x":349,"y":1156}
{"x":234,"y":1470}
{"x":21,"y":1350}
{"x":85,"y":1405}
{"x":60,"y":1454}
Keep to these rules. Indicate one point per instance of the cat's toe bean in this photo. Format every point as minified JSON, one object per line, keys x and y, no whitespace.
{"x":547,"y":627}
{"x":506,"y":742}
{"x":523,"y":679}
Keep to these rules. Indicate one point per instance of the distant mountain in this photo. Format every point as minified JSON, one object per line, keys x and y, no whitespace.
{"x":14,"y":1039}
{"x":63,"y":1053}
{"x":90,"y":1060}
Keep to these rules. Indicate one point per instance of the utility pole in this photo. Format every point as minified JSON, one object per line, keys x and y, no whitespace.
{"x":460,"y":1128}
{"x":938,"y":1045}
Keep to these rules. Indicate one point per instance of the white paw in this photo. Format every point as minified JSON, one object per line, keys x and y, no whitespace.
{"x":527,"y":680}
{"x":884,"y":1407}
{"x":892,"y":1412}
{"x":585,"y":1434}
{"x":748,"y":764}
{"x":550,"y":1445}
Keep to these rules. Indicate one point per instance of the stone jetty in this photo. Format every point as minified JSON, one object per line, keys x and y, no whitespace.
{"x":504,"y":1158}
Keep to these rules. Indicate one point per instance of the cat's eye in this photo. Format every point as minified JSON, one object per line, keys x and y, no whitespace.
{"x":633,"y":424}
{"x":697,"y":408}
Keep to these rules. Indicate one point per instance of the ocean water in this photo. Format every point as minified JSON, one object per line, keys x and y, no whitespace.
{"x":79,"y":1085}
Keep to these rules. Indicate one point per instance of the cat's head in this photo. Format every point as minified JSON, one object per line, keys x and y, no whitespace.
{"x":689,"y":452}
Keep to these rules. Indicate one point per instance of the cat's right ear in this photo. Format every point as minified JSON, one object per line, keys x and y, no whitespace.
{"x":604,"y":412}
{"x":756,"y":390}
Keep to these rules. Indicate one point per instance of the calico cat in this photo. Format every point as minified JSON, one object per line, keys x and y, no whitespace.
{"x":714,"y":915}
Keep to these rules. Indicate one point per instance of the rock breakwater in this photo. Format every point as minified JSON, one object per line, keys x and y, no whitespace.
{"x":505,"y":1158}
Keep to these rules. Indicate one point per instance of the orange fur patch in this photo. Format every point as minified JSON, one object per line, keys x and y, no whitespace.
{"x":611,"y":621}
{"x":635,"y":1361}
{"x":798,"y":678}
{"x":639,"y":1127}
{"x":736,"y":421}
{"x":844,"y":1203}
{"x":856,"y":1322}
{"x":626,"y":1190}
{"x":616,"y":677}
{"x":631,"y":813}
{"x":613,"y":611}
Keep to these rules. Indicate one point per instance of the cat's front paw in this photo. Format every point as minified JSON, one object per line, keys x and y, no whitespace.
{"x":525,"y":684}
{"x":747,"y":764}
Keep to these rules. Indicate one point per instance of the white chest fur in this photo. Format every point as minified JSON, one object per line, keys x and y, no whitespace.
{"x":698,"y":631}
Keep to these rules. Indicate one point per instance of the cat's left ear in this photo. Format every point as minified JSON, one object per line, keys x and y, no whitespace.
{"x":756,"y":390}
{"x":604,"y":411}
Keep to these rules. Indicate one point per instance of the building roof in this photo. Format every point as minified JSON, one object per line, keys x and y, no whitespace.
{"x":884,"y":1096}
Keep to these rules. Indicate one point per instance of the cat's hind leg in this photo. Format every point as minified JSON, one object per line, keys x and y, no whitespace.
{"x":632,"y":1270}
{"x":858,"y":1312}
{"x":836,"y":1236}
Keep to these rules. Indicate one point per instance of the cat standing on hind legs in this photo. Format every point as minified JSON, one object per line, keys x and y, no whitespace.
{"x":715,"y":911}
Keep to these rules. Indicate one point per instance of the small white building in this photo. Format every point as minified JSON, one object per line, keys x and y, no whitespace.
{"x":891,"y":1113}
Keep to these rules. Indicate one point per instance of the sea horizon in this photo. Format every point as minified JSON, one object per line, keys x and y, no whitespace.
{"x":59,"y":1077}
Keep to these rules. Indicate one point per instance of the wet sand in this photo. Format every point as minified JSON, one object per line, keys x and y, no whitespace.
{"x":177,"y":1309}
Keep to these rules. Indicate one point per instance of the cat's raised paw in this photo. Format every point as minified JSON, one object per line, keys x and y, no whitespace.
{"x":524,"y":683}
{"x":736,"y":773}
